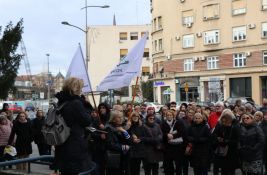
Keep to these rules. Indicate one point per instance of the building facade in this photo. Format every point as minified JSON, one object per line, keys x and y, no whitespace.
{"x":109,"y":44}
{"x":209,"y":50}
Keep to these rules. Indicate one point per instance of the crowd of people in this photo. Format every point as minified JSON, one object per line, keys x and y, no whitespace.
{"x":126,"y":137}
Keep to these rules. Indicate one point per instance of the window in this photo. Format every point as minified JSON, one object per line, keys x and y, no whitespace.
{"x":123,"y":53}
{"x":155,"y":45}
{"x":264,"y":4}
{"x":145,"y":71}
{"x":155,"y":24}
{"x":264,"y":30}
{"x":188,"y":41}
{"x":187,"y":17}
{"x":123,"y":35}
{"x":240,"y":59}
{"x":134,"y":35}
{"x":240,"y":87}
{"x":264,"y":55}
{"x":212,"y":62}
{"x":239,"y":7}
{"x":211,"y":37}
{"x":159,"y":23}
{"x":146,"y":53}
{"x":160,"y":45}
{"x":239,"y":33}
{"x":211,"y":11}
{"x":143,"y":33}
{"x":189,"y":64}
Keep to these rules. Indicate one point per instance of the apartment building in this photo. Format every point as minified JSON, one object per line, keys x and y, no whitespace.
{"x":107,"y":45}
{"x":209,"y":50}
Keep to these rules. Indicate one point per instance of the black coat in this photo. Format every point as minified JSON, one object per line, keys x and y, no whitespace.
{"x":153,"y":143}
{"x":115,"y":142}
{"x":199,"y":137}
{"x":174,"y":151}
{"x":137,"y":150}
{"x":37,"y":125}
{"x":251,"y":142}
{"x":263,"y":126}
{"x":230,"y":137}
{"x":72,"y":156}
{"x":24,"y":137}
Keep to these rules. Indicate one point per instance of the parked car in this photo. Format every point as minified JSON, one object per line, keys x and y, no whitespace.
{"x":156,"y":105}
{"x":244,"y":100}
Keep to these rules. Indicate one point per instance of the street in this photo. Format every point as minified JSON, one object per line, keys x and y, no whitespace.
{"x":45,"y":169}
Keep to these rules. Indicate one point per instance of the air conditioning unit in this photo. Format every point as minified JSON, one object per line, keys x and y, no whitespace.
{"x":120,"y":41}
{"x":188,"y":25}
{"x":251,"y":26}
{"x":205,"y":18}
{"x":177,"y":37}
{"x":195,"y":58}
{"x":199,"y":34}
{"x":168,"y":57}
{"x":182,"y":1}
{"x":248,"y":54}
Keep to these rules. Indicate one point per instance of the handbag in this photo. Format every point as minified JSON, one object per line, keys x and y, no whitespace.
{"x":188,"y":149}
{"x":114,"y":159}
{"x":221,"y":151}
{"x":176,"y":141}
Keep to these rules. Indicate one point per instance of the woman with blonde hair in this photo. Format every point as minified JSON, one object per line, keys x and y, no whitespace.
{"x":198,"y":140}
{"x":118,"y":145}
{"x":251,"y":145}
{"x":137,"y":151}
{"x":225,"y":143}
{"x":72,"y":157}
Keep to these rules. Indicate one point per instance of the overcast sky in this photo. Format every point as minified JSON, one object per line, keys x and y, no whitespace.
{"x":44,"y":33}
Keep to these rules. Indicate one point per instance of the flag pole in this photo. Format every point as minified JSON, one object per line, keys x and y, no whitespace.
{"x":134,"y":94}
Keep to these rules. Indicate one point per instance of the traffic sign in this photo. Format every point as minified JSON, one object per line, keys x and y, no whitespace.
{"x":186,"y":87}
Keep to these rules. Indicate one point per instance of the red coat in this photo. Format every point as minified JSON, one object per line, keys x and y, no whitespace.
{"x":213,"y":119}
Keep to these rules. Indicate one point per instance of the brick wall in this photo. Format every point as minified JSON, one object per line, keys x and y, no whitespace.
{"x":225,"y":61}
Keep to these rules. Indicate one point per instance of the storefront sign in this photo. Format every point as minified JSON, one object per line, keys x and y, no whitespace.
{"x":158,"y":83}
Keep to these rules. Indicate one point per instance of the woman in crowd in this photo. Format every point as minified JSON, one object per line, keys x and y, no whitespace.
{"x":198,"y":139}
{"x":251,"y":145}
{"x":118,"y":141}
{"x":258,"y":117}
{"x":163,"y":110}
{"x":22,"y":129}
{"x":137,"y":150}
{"x":263,"y":126}
{"x":153,"y":145}
{"x":5,"y":131}
{"x":225,"y":143}
{"x":174,"y":134}
{"x":72,"y":157}
{"x":97,"y":144}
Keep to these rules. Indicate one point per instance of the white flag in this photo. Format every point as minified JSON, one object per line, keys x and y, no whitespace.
{"x":77,"y":69}
{"x":128,"y":68}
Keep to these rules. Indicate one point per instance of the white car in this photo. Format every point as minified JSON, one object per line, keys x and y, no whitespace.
{"x":156,"y":105}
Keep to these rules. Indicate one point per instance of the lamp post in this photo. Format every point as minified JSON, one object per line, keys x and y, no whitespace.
{"x":86,"y":37}
{"x":87,"y":59}
{"x":48,"y":79}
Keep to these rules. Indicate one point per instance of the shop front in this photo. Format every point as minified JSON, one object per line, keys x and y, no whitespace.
{"x":189,"y":89}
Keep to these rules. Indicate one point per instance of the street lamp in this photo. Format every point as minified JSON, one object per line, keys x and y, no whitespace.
{"x":48,"y":79}
{"x":86,"y":29}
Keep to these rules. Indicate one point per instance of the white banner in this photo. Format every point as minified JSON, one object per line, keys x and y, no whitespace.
{"x":77,"y":69}
{"x":128,"y":68}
